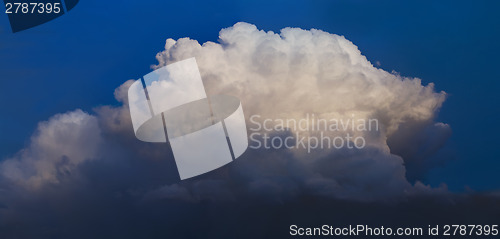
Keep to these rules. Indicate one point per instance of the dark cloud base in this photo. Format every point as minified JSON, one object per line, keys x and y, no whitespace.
{"x":103,"y":217}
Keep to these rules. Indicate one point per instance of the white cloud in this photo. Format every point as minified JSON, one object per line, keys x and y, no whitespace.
{"x":284,"y":75}
{"x":299,"y":72}
{"x":57,"y":147}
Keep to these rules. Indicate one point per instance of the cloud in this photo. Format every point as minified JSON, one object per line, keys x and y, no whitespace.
{"x":303,"y":71}
{"x":285,"y":75}
{"x":58,"y":146}
{"x":310,"y":72}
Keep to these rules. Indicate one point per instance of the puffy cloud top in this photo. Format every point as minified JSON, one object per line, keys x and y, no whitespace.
{"x":304,"y":71}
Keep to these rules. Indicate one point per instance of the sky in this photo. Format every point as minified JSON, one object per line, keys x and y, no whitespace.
{"x":77,"y":64}
{"x":78,"y":60}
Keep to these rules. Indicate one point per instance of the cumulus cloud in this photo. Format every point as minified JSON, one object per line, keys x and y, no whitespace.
{"x":285,"y":75}
{"x":58,"y":146}
{"x":303,"y":71}
{"x":311,"y":72}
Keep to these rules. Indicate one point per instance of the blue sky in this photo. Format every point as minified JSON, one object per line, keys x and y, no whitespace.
{"x":77,"y":60}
